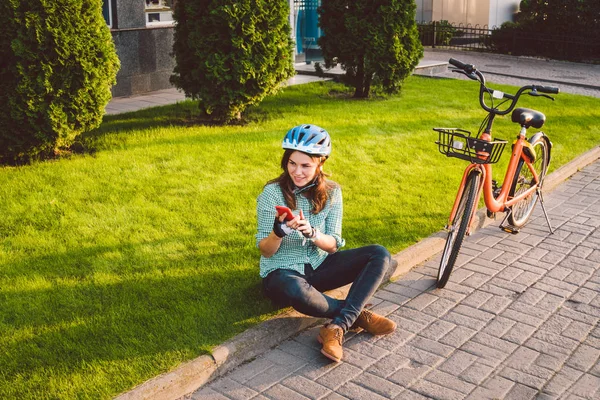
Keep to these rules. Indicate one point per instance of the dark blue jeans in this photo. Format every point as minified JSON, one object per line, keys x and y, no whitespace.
{"x":364,"y":267}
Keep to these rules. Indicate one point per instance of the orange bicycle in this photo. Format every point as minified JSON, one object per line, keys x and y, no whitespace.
{"x":522,"y":186}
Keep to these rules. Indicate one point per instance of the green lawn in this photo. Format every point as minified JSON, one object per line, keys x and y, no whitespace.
{"x":120,"y":263}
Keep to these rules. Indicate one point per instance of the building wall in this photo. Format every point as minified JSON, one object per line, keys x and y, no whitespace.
{"x":502,"y":11}
{"x":144,"y":52}
{"x":146,"y":61}
{"x":467,"y":12}
{"x":424,"y":10}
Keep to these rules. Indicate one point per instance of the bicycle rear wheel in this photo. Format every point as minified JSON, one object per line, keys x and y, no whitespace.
{"x":524,"y":179}
{"x":458,"y":228}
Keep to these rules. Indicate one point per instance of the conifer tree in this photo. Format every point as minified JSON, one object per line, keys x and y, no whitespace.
{"x":230,"y":54}
{"x":375,"y":41}
{"x":57,"y":65}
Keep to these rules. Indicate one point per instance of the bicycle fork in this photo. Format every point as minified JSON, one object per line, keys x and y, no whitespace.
{"x":481,"y":171}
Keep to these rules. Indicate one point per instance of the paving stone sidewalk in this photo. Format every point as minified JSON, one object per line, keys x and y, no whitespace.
{"x":518,"y":320}
{"x":574,"y":78}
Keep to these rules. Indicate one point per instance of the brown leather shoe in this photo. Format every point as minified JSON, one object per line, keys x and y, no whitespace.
{"x":373,"y":323}
{"x":331,"y":339}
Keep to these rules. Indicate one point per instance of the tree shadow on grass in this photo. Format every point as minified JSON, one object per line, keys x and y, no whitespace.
{"x":135,"y":323}
{"x":181,"y":114}
{"x":188,"y":114}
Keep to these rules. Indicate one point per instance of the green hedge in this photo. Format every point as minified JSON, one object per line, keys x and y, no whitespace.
{"x":57,"y":64}
{"x":559,"y":29}
{"x":230,"y":54}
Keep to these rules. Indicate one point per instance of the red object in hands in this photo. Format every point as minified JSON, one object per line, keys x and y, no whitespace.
{"x":285,"y":210}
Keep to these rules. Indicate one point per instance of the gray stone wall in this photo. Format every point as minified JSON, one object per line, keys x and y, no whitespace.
{"x":145,"y":53}
{"x":130,"y":14}
{"x":146,"y":61}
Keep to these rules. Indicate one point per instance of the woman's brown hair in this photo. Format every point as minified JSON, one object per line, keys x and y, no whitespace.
{"x":317,"y":194}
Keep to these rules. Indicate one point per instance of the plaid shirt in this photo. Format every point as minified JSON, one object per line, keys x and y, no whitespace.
{"x":294,"y":251}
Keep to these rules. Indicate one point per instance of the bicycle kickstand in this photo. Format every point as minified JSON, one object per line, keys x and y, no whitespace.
{"x":539,"y":192}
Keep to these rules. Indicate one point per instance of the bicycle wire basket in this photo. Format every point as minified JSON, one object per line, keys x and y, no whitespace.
{"x":455,"y":142}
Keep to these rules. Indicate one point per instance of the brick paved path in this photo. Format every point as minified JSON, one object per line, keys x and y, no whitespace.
{"x":518,"y":320}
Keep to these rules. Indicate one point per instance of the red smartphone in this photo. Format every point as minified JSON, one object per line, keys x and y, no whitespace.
{"x":283,"y":209}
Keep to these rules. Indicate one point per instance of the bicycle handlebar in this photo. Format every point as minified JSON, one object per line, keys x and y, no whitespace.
{"x":547,"y":89}
{"x":470,"y":71}
{"x":459,"y":64}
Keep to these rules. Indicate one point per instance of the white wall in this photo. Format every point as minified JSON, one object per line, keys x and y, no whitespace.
{"x":424,"y":9}
{"x":502,"y":11}
{"x":473,"y":12}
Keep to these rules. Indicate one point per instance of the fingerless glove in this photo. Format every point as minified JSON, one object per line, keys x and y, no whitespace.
{"x":281,"y":229}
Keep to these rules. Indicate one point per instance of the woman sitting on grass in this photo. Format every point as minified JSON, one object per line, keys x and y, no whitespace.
{"x":300,"y":258}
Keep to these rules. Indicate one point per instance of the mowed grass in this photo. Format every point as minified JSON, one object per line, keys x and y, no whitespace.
{"x":121,"y":263}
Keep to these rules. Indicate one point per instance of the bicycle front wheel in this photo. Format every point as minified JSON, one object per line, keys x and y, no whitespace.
{"x":524,"y":179}
{"x":458,"y":228}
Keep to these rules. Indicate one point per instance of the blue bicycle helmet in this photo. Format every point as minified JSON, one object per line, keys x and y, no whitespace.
{"x":309,"y":139}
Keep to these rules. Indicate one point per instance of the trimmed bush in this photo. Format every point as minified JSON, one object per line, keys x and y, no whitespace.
{"x":230,"y":54}
{"x":57,"y":64}
{"x":560,"y":29}
{"x":503,"y":38}
{"x":376,"y":42}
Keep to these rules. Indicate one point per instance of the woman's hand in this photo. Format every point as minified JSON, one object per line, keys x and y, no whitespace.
{"x":269,"y":245}
{"x":303,"y":225}
{"x":280,"y":227}
{"x":321,"y":240}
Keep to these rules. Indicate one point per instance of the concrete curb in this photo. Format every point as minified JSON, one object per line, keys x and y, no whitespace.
{"x":567,"y":170}
{"x":425,"y":67}
{"x":192,"y":375}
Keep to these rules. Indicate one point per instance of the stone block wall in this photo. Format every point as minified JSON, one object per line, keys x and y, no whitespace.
{"x":144,"y":52}
{"x":146,"y":61}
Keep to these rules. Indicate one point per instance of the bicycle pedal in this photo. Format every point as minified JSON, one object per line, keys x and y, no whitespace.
{"x":509,"y":229}
{"x":490,"y":214}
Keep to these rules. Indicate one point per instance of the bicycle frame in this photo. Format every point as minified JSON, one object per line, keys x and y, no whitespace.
{"x":502,"y":201}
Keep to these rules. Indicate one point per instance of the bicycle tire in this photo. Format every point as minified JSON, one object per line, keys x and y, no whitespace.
{"x":458,"y":228}
{"x":523,"y":180}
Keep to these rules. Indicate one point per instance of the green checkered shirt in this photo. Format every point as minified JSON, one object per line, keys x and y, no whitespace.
{"x":292,"y":254}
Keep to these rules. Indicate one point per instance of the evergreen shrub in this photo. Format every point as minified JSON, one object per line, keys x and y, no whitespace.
{"x":57,"y":65}
{"x":559,"y":29}
{"x":230,"y":54}
{"x":376,"y":42}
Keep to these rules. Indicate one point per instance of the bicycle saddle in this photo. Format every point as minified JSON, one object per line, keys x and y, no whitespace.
{"x":527,"y":117}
